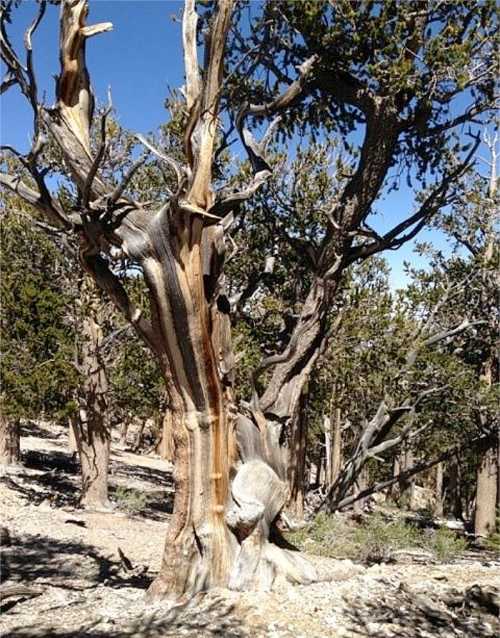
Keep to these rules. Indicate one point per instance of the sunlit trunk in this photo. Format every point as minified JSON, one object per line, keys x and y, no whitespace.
{"x":198,"y":552}
{"x":165,"y":446}
{"x":487,"y":471}
{"x":90,"y":424}
{"x":333,"y":444}
{"x":10,"y":447}
{"x":486,"y":491}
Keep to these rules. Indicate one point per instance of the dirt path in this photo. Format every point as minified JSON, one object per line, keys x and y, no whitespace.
{"x":71,"y":558}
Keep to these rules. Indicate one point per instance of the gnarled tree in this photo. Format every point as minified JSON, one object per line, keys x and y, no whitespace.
{"x":393,"y":72}
{"x":230,"y":485}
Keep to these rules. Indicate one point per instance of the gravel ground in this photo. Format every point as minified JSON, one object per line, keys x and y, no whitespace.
{"x":71,"y":558}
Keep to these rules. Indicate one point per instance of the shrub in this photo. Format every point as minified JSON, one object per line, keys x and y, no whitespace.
{"x":378,"y":538}
{"x":374,"y":540}
{"x":130,"y":500}
{"x":326,"y":535}
{"x":446,"y":544}
{"x":493,"y":541}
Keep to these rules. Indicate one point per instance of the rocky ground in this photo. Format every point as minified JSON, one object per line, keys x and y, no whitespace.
{"x":73,"y":578}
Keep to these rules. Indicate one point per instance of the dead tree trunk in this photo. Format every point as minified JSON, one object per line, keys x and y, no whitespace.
{"x":360,"y":488}
{"x":72,"y":444}
{"x":337,"y":446}
{"x":332,"y":426}
{"x":124,"y":427}
{"x":487,"y":469}
{"x":10,"y":447}
{"x":406,"y":485}
{"x":455,"y":487}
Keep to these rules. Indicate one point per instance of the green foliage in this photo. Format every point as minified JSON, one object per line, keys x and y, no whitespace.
{"x":446,"y":544}
{"x":493,"y":541}
{"x":421,"y":60}
{"x":374,"y":540}
{"x":36,"y":330}
{"x":326,"y":535}
{"x":131,"y":500}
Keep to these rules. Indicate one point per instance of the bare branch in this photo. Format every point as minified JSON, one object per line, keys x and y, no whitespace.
{"x":50,"y":207}
{"x":111,"y":284}
{"x":290,"y":95}
{"x":179,"y":170}
{"x":402,"y":476}
{"x":87,"y":188}
{"x":193,"y":80}
{"x":117,"y":193}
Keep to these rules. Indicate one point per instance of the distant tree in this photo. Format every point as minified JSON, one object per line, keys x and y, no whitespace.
{"x":390,"y":71}
{"x":37,"y":371}
{"x":472,"y":224}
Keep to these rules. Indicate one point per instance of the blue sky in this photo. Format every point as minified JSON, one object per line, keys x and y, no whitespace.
{"x":140,"y":59}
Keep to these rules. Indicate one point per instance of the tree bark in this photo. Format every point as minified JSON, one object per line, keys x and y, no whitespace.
{"x":297,"y":463}
{"x":455,"y":489}
{"x":125,"y":424}
{"x":230,"y":472}
{"x":165,"y":447}
{"x":488,"y":469}
{"x":406,"y":485}
{"x":486,"y":490}
{"x":438,"y":490}
{"x":10,"y":447}
{"x":333,"y":445}
{"x":360,"y":487}
{"x":72,"y":444}
{"x":90,"y":425}
{"x":280,"y":400}
{"x":337,"y":447}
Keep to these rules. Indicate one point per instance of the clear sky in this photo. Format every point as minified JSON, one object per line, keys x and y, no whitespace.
{"x":140,"y":59}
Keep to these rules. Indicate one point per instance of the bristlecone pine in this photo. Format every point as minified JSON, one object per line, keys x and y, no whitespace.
{"x":230,"y":476}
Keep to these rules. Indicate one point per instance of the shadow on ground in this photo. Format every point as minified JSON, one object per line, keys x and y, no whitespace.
{"x":160,"y":478}
{"x":56,"y":480}
{"x":69,"y":565}
{"x":155,"y":505}
{"x":30,"y":428}
{"x":409,"y":614}
{"x":204,"y":616}
{"x":54,"y":487}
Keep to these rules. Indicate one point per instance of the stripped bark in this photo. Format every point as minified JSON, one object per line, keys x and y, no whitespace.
{"x":230,"y":476}
{"x":165,"y":446}
{"x":333,"y":444}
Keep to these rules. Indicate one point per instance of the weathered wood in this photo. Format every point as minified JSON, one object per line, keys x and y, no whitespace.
{"x":230,"y":473}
